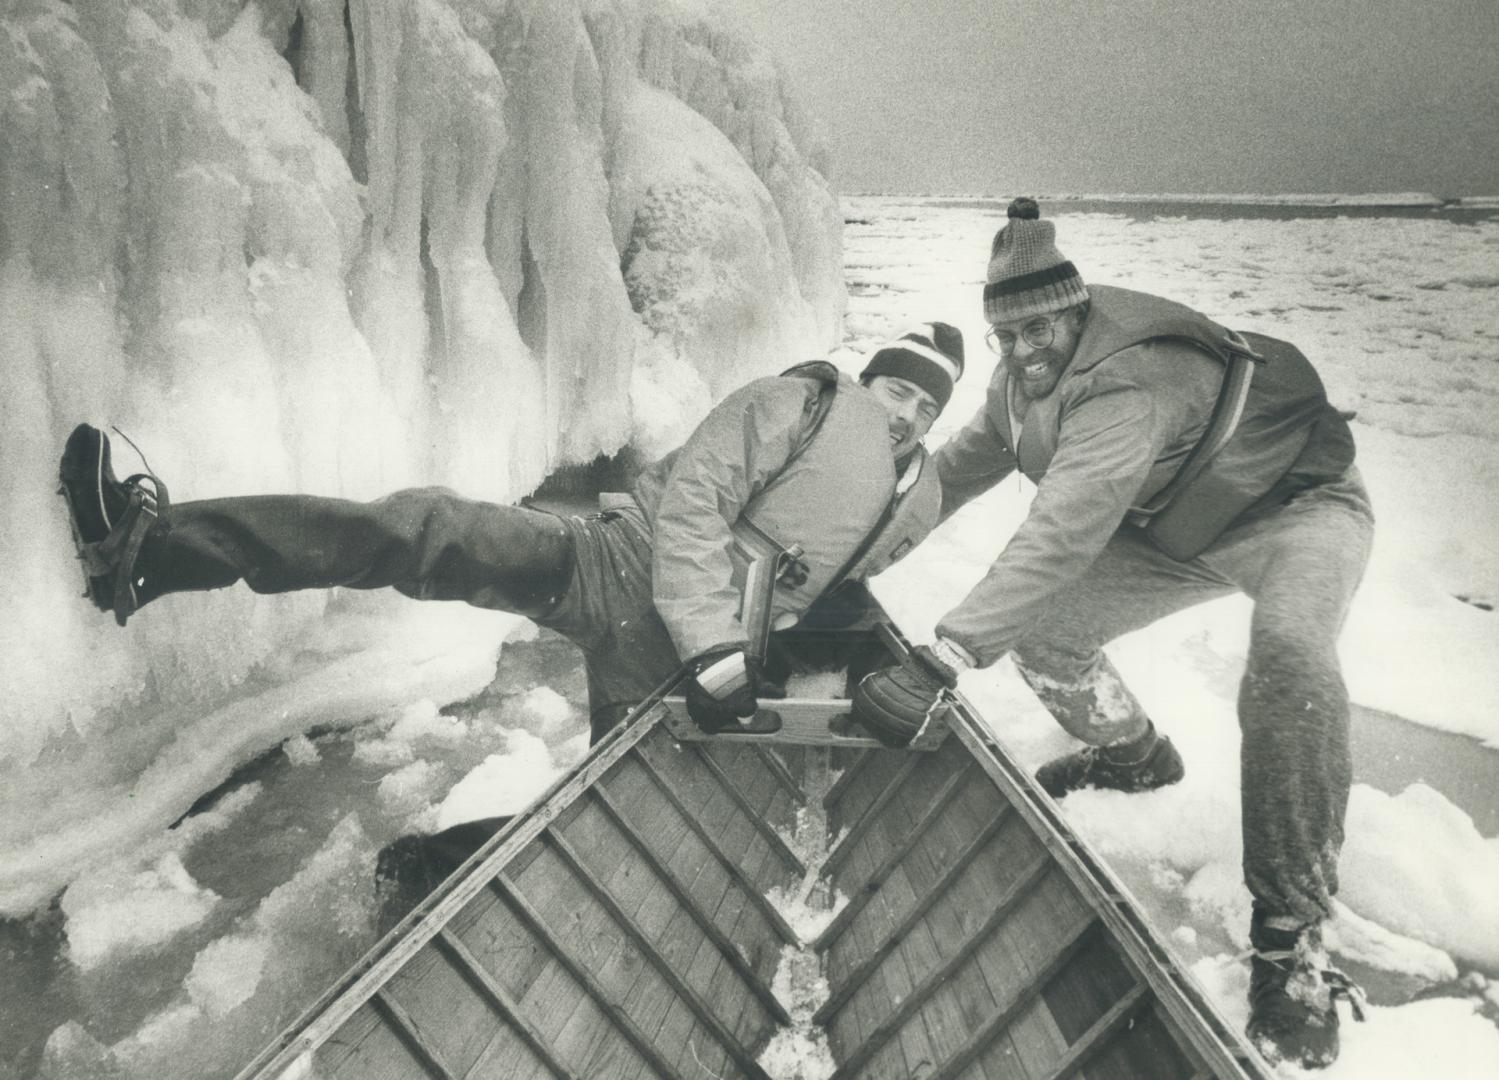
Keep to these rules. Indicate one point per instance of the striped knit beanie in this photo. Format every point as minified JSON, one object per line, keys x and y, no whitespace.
{"x":1027,"y":274}
{"x":929,"y":355}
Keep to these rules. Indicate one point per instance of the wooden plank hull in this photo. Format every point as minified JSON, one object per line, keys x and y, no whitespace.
{"x":632,"y":923}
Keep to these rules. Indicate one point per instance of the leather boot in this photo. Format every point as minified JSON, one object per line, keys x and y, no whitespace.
{"x":1293,"y":994}
{"x":1142,"y":764}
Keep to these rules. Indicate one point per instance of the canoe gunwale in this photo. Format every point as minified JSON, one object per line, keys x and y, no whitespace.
{"x":1192,"y":1014}
{"x":360,"y":984}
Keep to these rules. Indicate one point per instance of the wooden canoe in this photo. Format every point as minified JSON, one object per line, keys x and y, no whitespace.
{"x":632,"y":921}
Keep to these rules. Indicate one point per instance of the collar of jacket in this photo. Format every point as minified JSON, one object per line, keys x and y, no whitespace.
{"x":1119,"y":318}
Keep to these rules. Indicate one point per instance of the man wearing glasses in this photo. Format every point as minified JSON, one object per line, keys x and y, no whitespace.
{"x":1175,"y":462}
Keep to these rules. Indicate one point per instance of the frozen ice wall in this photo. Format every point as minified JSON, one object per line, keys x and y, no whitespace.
{"x":303,"y":245}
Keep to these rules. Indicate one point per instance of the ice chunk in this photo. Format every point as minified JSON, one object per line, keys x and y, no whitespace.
{"x":421,"y":721}
{"x":409,"y":789}
{"x":541,"y":710}
{"x":414,"y":726}
{"x":72,"y":1053}
{"x":113,"y":914}
{"x":1416,"y":864}
{"x":299,"y":750}
{"x":1351,"y":935}
{"x":226,"y":973}
{"x":253,"y":980}
{"x":503,"y":784}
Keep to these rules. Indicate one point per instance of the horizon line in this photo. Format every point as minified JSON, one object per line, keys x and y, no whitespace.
{"x":1408,"y":199}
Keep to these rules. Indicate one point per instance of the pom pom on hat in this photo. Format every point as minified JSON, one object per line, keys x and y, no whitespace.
{"x":1027,"y":274}
{"x":929,"y":355}
{"x":1024,"y":207}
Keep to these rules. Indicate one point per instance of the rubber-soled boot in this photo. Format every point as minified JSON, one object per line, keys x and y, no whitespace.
{"x":1143,"y":764}
{"x":110,"y":518}
{"x":1293,"y":993}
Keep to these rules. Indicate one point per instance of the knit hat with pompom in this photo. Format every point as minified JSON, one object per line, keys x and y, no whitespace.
{"x":1027,"y":274}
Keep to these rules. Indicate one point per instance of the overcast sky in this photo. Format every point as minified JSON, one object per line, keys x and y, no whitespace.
{"x":999,"y":96}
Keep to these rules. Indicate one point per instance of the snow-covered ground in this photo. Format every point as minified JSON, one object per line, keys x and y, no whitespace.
{"x":1402,"y":317}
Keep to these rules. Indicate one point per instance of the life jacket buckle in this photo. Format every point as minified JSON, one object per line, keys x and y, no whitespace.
{"x":791,"y":570}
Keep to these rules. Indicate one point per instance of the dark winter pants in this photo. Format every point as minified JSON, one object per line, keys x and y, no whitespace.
{"x":1300,"y":565}
{"x":587,"y":578}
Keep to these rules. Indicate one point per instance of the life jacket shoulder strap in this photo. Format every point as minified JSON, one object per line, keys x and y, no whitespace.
{"x":1240,"y":362}
{"x":826,"y":377}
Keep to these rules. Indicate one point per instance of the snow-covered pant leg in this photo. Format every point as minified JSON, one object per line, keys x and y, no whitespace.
{"x":1130,"y":585}
{"x":1301,"y":566}
{"x":428,"y":543}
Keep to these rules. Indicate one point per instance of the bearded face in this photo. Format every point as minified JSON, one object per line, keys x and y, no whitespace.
{"x":1036,"y":350}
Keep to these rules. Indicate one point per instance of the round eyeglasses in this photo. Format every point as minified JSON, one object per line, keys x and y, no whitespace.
{"x":1038,"y":334}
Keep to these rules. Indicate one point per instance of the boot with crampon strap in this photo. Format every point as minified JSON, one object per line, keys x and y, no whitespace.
{"x":110,"y":519}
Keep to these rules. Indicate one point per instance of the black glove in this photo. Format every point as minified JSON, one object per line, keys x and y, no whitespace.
{"x":722,"y":691}
{"x":893,"y":703}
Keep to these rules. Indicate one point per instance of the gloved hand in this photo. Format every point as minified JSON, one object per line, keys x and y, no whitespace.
{"x":723,"y":689}
{"x":893,"y":703}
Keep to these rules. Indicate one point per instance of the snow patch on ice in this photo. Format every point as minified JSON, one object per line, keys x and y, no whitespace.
{"x":1443,"y":1037}
{"x":1217,"y":897}
{"x":572,"y":751}
{"x":72,"y":1053}
{"x":816,"y":684}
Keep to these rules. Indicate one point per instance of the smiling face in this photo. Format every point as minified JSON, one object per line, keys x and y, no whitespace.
{"x":910,"y":408}
{"x":1036,"y":370}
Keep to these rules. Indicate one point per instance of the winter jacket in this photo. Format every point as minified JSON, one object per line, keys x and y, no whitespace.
{"x":749,"y":482}
{"x":1134,"y":400}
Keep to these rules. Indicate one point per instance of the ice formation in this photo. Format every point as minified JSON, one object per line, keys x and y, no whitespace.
{"x":308,"y":246}
{"x":504,"y":784}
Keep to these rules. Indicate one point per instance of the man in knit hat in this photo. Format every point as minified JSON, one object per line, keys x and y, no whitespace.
{"x":810,"y":461}
{"x":1174,"y":462}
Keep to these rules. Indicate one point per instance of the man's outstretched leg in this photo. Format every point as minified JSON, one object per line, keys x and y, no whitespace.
{"x":428,"y":543}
